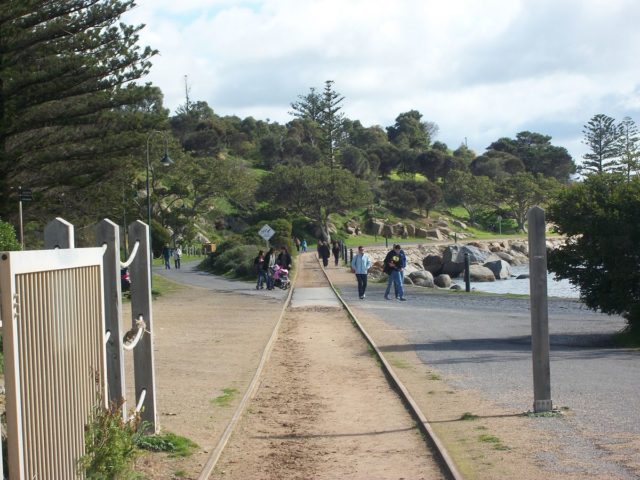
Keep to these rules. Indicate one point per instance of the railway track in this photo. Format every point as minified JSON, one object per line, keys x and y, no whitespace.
{"x":320,"y":404}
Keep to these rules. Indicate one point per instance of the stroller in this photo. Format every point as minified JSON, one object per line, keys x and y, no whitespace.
{"x":281,"y":277}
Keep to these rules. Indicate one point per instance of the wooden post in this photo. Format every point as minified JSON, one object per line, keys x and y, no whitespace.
{"x":143,"y":362}
{"x":108,"y":233}
{"x":58,"y":234}
{"x":467,"y":273}
{"x":539,"y":311}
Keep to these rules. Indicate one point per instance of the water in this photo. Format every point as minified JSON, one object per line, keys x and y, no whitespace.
{"x":555,"y":288}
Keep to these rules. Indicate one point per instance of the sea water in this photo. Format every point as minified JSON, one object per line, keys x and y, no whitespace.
{"x":555,"y":288}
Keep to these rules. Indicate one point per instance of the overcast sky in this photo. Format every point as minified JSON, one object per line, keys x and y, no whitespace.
{"x":480,"y":70}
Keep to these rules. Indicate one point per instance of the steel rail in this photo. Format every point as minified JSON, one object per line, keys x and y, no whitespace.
{"x":444,"y":459}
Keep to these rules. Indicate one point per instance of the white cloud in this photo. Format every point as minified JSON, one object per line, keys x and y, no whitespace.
{"x":481,"y":70}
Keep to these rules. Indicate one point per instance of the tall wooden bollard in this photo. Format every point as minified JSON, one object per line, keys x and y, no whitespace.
{"x":350,"y":256}
{"x":467,"y":273}
{"x":539,"y":311}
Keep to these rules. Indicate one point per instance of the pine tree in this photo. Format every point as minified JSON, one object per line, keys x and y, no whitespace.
{"x":629,"y":145}
{"x":602,"y":136}
{"x":70,"y":112}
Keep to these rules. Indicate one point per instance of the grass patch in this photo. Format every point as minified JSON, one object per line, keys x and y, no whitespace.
{"x":180,"y":474}
{"x":435,"y":376}
{"x":164,"y":286}
{"x":399,"y":362}
{"x":175,"y":445}
{"x":493,"y":440}
{"x":469,"y":416}
{"x":224,"y":400}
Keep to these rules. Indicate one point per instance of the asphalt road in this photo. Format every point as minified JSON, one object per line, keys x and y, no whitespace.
{"x":482,"y":342}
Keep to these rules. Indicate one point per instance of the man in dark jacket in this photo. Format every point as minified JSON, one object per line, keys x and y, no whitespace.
{"x":394,"y":264}
{"x":284,"y":259}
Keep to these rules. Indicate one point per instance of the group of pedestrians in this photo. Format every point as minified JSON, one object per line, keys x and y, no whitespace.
{"x":265,"y":265}
{"x":168,"y":253}
{"x":394,"y":264}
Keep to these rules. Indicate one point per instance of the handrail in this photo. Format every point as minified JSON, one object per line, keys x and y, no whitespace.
{"x":143,"y":395}
{"x":131,"y":256}
{"x":107,"y":336}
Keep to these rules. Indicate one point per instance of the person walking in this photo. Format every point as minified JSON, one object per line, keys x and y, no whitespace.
{"x":296,"y":241}
{"x":177,"y":255}
{"x":303,"y":245}
{"x":268,"y":264}
{"x":335,"y":249}
{"x":166,"y":255}
{"x":284,"y":258}
{"x":324,"y":252}
{"x":394,"y":266}
{"x":360,"y":265}
{"x":258,"y":263}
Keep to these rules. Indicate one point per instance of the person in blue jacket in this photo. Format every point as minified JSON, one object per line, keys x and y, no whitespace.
{"x":360,"y":265}
{"x":394,"y":265}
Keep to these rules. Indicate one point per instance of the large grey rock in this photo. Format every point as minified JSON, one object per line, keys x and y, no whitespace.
{"x":455,"y":253}
{"x":501,"y":269}
{"x":411,"y":229}
{"x":433,"y":263}
{"x":387,"y":231}
{"x":520,"y":247}
{"x":374,"y":227}
{"x":442,"y":281}
{"x":459,"y":224}
{"x":505,"y":256}
{"x":421,"y":233}
{"x":478,"y":273}
{"x":422,"y":278}
{"x":435,"y":233}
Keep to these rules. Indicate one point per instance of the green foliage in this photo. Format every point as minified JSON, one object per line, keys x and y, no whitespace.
{"x":71,"y":111}
{"x":175,"y":445}
{"x":236,"y":261}
{"x":602,"y":136}
{"x":602,"y":218}
{"x":110,"y":443}
{"x":8,"y":239}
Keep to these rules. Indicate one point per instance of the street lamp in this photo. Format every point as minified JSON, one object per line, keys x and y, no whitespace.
{"x":166,"y":161}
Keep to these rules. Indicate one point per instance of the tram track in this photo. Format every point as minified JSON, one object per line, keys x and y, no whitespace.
{"x":295,"y":429}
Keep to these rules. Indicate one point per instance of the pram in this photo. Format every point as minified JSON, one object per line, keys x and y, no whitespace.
{"x":281,"y":277}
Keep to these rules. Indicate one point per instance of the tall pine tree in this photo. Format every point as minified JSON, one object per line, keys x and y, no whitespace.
{"x":70,"y":112}
{"x":602,"y":136}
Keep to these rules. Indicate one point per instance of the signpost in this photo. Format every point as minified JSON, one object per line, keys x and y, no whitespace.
{"x":266,"y":232}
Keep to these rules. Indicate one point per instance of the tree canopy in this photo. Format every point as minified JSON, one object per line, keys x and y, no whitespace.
{"x":601,"y":219}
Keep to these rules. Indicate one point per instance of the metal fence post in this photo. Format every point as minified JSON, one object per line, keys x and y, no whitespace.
{"x":108,"y":233}
{"x":539,"y":311}
{"x":59,"y":234}
{"x":143,"y":357}
{"x":350,"y":256}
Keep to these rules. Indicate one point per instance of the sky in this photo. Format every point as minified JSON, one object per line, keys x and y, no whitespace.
{"x":480,"y":70}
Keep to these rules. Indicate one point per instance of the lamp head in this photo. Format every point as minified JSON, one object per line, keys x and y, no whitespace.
{"x":165,"y":160}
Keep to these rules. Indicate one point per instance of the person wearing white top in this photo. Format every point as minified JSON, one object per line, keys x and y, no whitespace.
{"x":360,"y":265}
{"x":177,"y":255}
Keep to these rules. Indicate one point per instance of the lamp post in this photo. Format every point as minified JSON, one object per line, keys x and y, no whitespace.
{"x":166,"y":161}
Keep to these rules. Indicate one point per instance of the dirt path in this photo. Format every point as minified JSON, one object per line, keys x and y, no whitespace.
{"x":324,"y":410}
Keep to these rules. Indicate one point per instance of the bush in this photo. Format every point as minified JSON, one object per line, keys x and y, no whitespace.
{"x":8,"y":239}
{"x":110,"y":444}
{"x":236,"y":261}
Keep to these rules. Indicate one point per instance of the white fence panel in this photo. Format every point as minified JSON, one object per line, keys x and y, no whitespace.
{"x":53,"y":322}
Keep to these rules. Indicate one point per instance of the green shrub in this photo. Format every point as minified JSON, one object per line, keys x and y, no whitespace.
{"x":110,"y":444}
{"x":236,"y":261}
{"x":8,"y":239}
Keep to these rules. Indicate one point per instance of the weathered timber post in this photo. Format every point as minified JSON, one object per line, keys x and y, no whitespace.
{"x":59,"y":234}
{"x":539,"y":311}
{"x":143,"y":361}
{"x":108,"y":233}
{"x":467,"y":273}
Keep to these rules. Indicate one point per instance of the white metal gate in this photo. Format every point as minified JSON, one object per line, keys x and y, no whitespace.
{"x":53,"y":322}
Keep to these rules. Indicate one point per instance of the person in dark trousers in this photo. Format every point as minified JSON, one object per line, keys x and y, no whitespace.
{"x":360,"y":265}
{"x":267,"y":266}
{"x":258,"y":263}
{"x":324,"y":252}
{"x":335,"y":249}
{"x":166,"y":255}
{"x":296,"y":241}
{"x":394,"y":264}
{"x":284,"y":258}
